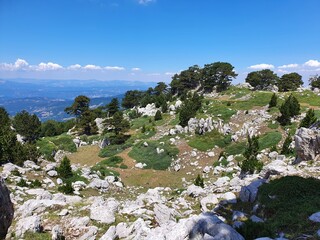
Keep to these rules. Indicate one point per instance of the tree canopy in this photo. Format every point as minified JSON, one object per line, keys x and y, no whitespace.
{"x":314,"y":81}
{"x":219,"y":75}
{"x":79,"y":106}
{"x":290,"y":82}
{"x":260,"y":80}
{"x":27,"y":125}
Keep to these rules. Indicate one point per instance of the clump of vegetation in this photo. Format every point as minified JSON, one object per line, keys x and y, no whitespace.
{"x":251,"y":163}
{"x":286,"y":146}
{"x":269,"y":139}
{"x":309,"y":119}
{"x":22,"y":183}
{"x":103,"y":171}
{"x":65,"y":170}
{"x":189,"y":109}
{"x":66,"y":188}
{"x":209,"y":140}
{"x":158,"y":116}
{"x":199,"y":181}
{"x":113,"y":161}
{"x":290,"y":108}
{"x":112,"y":150}
{"x":273,"y":101}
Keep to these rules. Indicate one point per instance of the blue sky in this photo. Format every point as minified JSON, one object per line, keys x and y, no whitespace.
{"x":149,"y":40}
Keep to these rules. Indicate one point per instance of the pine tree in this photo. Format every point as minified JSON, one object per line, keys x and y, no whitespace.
{"x":158,"y":116}
{"x":199,"y":181}
{"x":273,"y":101}
{"x":294,"y":106}
{"x":286,"y":145}
{"x":251,"y":163}
{"x":309,"y":119}
{"x":290,"y":108}
{"x":65,"y":170}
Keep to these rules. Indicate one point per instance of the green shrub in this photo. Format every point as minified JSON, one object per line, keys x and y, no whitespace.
{"x":286,"y":146}
{"x":65,"y":170}
{"x":158,"y":116}
{"x":103,"y":170}
{"x":309,"y":119}
{"x":113,"y":161}
{"x":251,"y":164}
{"x":199,"y":181}
{"x":252,"y":230}
{"x":273,"y":101}
{"x":66,"y":188}
{"x":123,"y":166}
{"x":35,"y":184}
{"x":22,"y":183}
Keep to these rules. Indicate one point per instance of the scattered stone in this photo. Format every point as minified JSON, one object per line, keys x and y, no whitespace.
{"x":315,"y":217}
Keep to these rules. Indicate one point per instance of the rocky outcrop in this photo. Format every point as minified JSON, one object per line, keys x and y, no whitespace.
{"x":307,"y":143}
{"x":6,"y":210}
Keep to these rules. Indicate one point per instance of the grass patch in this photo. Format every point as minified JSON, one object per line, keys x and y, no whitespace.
{"x":273,"y":125}
{"x":209,"y":140}
{"x":295,"y":199}
{"x":139,"y":122}
{"x":113,"y":161}
{"x":258,"y":99}
{"x":269,"y":139}
{"x":149,"y":155}
{"x":103,"y":170}
{"x":37,"y":236}
{"x":219,"y":109}
{"x":235,"y":148}
{"x":112,"y":150}
{"x":308,"y":97}
{"x":62,"y":142}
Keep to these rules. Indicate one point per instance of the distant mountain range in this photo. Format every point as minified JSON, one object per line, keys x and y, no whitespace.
{"x":48,"y":98}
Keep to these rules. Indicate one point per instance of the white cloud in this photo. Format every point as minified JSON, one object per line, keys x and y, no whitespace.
{"x":145,"y":2}
{"x":293,"y":65}
{"x":114,"y":68}
{"x":75,"y":67}
{"x":261,"y":66}
{"x":136,"y":69}
{"x":92,"y":67}
{"x":282,"y":71}
{"x":18,"y":65}
{"x":312,"y":63}
{"x":48,"y":66}
{"x":169,"y":73}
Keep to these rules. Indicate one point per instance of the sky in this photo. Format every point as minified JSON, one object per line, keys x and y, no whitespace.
{"x":150,"y":40}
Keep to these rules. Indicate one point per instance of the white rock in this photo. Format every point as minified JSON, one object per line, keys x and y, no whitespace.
{"x":145,"y":144}
{"x":211,"y":199}
{"x":206,"y":169}
{"x":57,"y":233}
{"x":315,"y":217}
{"x":100,"y":184}
{"x":195,"y":191}
{"x":31,"y":224}
{"x":230,"y":197}
{"x":211,"y":154}
{"x":52,"y":173}
{"x":110,"y":234}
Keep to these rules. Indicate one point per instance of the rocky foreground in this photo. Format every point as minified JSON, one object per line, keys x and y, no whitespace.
{"x":105,"y":209}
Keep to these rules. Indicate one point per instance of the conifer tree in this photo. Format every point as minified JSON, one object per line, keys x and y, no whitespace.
{"x":65,"y":170}
{"x":158,"y":116}
{"x":273,"y":101}
{"x":251,"y":163}
{"x":309,"y":119}
{"x":290,"y":108}
{"x":286,"y":145}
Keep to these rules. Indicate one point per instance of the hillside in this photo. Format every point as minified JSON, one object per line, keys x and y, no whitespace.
{"x":172,"y":182}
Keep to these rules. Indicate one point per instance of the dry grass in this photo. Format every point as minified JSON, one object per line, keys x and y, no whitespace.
{"x":87,"y":155}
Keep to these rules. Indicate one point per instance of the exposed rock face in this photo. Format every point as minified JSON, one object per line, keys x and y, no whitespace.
{"x":6,"y":210}
{"x":307,"y":143}
{"x":149,"y":110}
